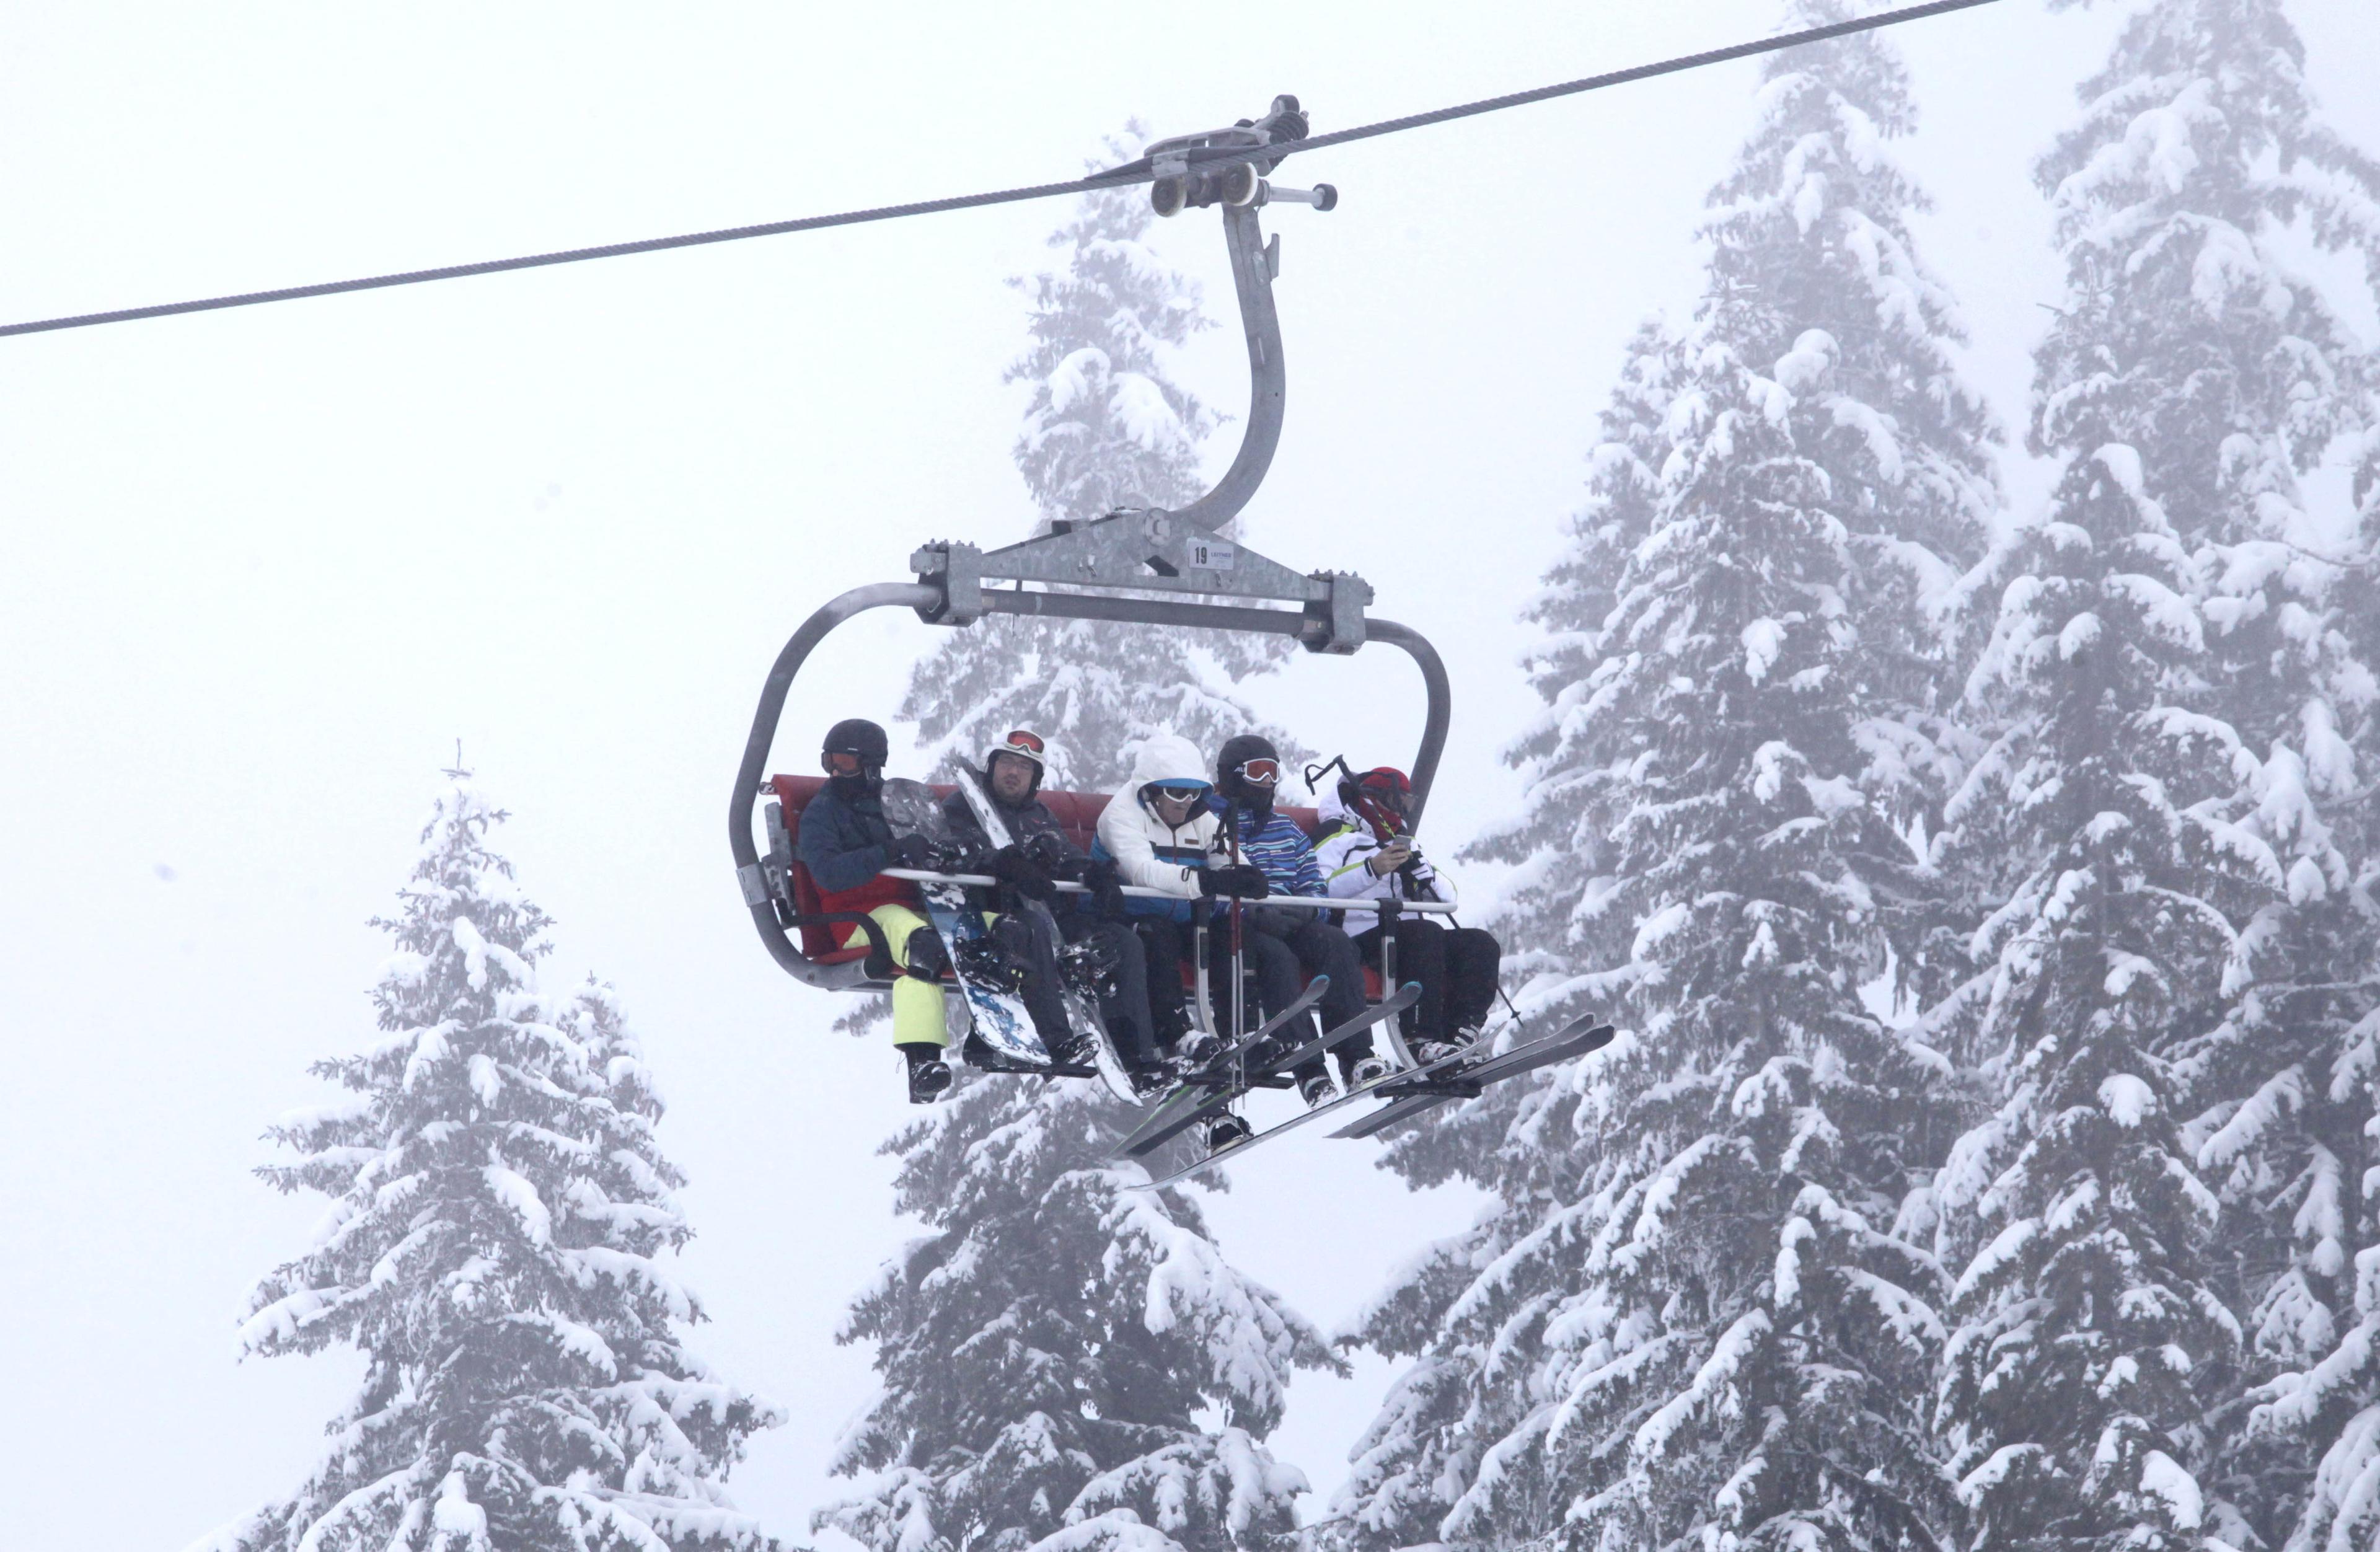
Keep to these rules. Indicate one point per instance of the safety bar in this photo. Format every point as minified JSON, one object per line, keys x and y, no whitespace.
{"x":1140,"y":892}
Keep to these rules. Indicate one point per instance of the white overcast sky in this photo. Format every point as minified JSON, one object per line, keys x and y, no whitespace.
{"x":261,"y":569}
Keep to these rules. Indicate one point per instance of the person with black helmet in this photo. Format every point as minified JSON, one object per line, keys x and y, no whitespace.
{"x":846,"y":845}
{"x":1276,"y":940}
{"x":1367,"y":853}
{"x":1037,"y":855}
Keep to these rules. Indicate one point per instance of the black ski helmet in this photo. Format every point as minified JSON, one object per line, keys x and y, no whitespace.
{"x":1237,"y":752}
{"x":863,"y":741}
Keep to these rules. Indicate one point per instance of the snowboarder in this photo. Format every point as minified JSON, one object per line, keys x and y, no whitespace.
{"x":1366,"y":853}
{"x":1277,"y":940}
{"x":846,"y":845}
{"x":1038,"y":854}
{"x":1161,"y":834}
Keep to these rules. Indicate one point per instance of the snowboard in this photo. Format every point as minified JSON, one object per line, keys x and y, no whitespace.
{"x":996,"y":1015}
{"x":1081,"y":1005}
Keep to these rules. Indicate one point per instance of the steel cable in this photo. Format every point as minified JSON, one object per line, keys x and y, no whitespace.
{"x":1129,"y":174}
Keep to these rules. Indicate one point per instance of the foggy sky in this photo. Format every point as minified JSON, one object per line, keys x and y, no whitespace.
{"x":260,"y":570}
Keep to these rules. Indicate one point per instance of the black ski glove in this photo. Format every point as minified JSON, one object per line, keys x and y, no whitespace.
{"x":908,"y":850}
{"x":1246,"y":881}
{"x":1012,"y":867}
{"x":1107,"y":889}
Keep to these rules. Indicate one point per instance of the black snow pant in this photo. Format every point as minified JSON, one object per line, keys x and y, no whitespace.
{"x":1277,"y":944}
{"x":1456,"y":967}
{"x":1126,"y":1013}
{"x":1166,"y":943}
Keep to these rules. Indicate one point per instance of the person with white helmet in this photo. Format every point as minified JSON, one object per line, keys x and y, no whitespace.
{"x":1160,"y":833}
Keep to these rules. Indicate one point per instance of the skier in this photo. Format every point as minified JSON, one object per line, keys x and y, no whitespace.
{"x":1277,"y":940}
{"x":846,"y":845}
{"x":1161,"y":834}
{"x":1366,"y":853}
{"x":1037,"y":855}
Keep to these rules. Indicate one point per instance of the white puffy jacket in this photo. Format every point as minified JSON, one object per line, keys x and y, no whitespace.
{"x":1346,"y":845}
{"x":1148,"y":851}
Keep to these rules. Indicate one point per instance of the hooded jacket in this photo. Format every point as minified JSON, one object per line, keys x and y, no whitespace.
{"x":1146,"y":850}
{"x":1346,"y":845}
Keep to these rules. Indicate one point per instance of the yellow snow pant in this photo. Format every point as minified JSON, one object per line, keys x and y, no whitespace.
{"x":917,"y":1005}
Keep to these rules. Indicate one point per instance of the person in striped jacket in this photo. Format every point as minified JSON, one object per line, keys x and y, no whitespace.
{"x":1277,"y":940}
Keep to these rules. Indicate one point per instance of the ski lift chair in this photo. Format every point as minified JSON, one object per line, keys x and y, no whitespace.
{"x":1139,"y":566}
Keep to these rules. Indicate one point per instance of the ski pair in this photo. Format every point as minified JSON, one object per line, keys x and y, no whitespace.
{"x":1577,"y":1038}
{"x":1411,"y":1091}
{"x":1229,"y":1078}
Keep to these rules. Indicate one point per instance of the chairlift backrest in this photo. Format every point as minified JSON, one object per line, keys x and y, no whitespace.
{"x":1077,"y":812}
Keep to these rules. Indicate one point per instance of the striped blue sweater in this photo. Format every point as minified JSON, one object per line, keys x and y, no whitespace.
{"x":1277,"y":847}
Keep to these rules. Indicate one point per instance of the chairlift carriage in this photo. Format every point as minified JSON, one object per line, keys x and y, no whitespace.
{"x":1107,"y":569}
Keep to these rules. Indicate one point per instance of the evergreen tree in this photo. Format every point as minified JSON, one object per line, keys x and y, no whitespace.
{"x":1690,"y":1318}
{"x":1047,"y":1348}
{"x":499,"y":1206}
{"x":2189,"y":380}
{"x":1107,"y":427}
{"x":1066,"y":1361}
{"x":2196,"y":169}
{"x":2089,"y":1339}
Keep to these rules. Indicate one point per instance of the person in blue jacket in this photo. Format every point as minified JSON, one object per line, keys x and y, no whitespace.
{"x":1276,"y":940}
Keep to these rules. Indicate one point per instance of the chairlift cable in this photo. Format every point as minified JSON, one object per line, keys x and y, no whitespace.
{"x":1129,"y":174}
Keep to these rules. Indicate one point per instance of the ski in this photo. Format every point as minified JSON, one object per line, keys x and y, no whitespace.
{"x":1218,"y":1073}
{"x":1576,"y":1038}
{"x":1383,"y":1087}
{"x":1223,"y":1098}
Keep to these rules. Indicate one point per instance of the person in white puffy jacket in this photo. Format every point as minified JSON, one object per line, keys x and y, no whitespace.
{"x":1366,"y":853}
{"x":1159,"y":833}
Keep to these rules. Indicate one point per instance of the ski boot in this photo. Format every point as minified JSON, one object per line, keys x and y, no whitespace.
{"x":1370,"y":1069}
{"x":1195,"y":1049}
{"x":1317,"y":1089}
{"x":1227,"y":1131}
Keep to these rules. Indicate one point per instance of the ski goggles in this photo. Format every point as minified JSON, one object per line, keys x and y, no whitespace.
{"x":1385,"y":785}
{"x":1024,"y":743}
{"x":1180,"y":792}
{"x":841,"y":762}
{"x":1260,"y":772}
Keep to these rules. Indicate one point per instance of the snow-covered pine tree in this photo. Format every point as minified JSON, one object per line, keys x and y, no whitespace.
{"x":2089,"y":1339}
{"x":2215,"y":375}
{"x":1066,"y":1363}
{"x":1107,"y":427}
{"x":499,"y":1207}
{"x":1688,"y":1316}
{"x":2190,"y":337}
{"x":1048,"y":1350}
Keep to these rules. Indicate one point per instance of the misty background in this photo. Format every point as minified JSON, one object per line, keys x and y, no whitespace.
{"x":260,"y":570}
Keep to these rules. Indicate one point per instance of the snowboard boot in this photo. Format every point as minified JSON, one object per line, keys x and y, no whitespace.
{"x":929,"y":1073}
{"x":1226,"y":1131}
{"x":1317,"y":1089}
{"x":1369,"y":1071}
